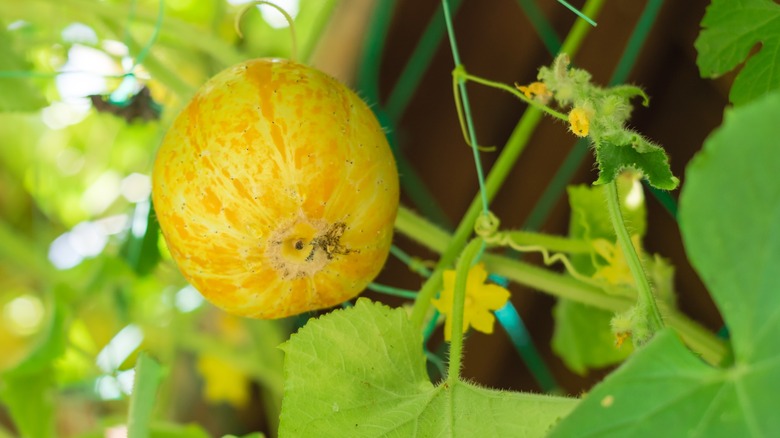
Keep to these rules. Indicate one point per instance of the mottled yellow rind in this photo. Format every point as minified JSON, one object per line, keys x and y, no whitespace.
{"x":271,"y":144}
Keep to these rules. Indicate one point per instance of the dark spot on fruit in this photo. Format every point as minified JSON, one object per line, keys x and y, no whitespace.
{"x":299,"y":245}
{"x":330,"y":242}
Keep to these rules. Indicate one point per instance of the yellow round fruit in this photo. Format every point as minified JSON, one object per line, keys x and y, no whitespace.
{"x":276,"y":190}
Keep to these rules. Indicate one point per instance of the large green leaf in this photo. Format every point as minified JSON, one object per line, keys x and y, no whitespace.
{"x":730,"y":219}
{"x":729,"y":213}
{"x":731,"y":29}
{"x":361,"y":372}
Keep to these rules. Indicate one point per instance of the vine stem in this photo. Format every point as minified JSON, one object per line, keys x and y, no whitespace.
{"x":488,"y":83}
{"x":645,"y":294}
{"x":392,"y":291}
{"x":464,"y":97}
{"x":467,"y":258}
{"x":698,"y":338}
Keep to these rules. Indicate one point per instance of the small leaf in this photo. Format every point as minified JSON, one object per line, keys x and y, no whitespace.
{"x":361,"y":372}
{"x":731,"y":29}
{"x":641,"y":155}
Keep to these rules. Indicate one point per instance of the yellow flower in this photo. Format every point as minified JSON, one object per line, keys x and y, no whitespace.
{"x":616,"y":271}
{"x":222,"y":381}
{"x":579,"y":122}
{"x":481,"y":298}
{"x":535,"y":90}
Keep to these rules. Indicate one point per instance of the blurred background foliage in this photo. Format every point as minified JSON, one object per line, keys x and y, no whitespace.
{"x":85,"y":280}
{"x":81,"y":287}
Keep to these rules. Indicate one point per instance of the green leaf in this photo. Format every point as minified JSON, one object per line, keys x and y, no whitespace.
{"x":590,"y":219}
{"x":731,"y":29}
{"x":663,"y":384}
{"x":361,"y":372}
{"x":583,"y":337}
{"x":729,"y":216}
{"x":148,"y":375}
{"x":637,"y":154}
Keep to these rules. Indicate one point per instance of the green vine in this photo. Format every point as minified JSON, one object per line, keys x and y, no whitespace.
{"x":594,"y":112}
{"x":645,"y":318}
{"x":467,"y":259}
{"x":496,"y":177}
{"x":601,"y":296}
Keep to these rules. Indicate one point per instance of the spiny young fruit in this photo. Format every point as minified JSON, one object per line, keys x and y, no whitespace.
{"x":276,"y":190}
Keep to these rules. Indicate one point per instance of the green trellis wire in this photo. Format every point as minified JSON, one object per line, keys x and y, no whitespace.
{"x":464,"y":96}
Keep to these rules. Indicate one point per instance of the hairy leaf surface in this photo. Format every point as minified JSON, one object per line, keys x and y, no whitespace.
{"x":361,"y":372}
